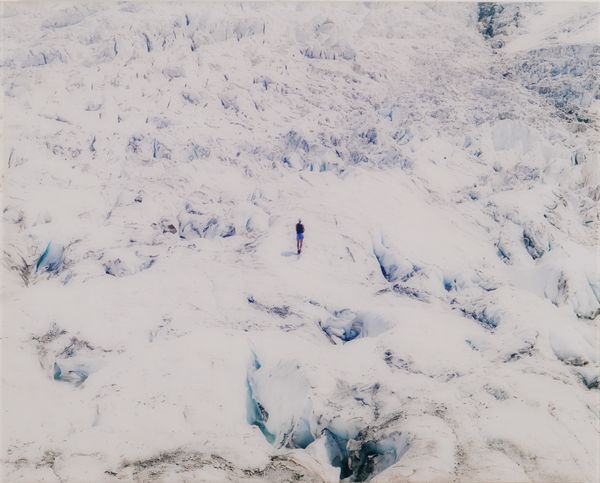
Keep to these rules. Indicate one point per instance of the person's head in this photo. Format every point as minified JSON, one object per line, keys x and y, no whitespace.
{"x":299,"y":221}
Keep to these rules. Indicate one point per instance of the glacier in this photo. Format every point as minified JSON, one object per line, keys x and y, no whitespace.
{"x":441,"y":323}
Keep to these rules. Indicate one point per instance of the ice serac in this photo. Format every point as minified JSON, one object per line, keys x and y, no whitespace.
{"x":345,"y":325}
{"x":360,"y":459}
{"x":51,"y":258}
{"x":392,"y":266}
{"x":284,"y":422}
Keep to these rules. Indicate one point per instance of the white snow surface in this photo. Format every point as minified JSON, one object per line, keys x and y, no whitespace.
{"x":441,"y":323}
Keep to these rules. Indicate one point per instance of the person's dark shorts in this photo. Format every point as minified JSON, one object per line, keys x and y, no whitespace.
{"x":299,"y":236}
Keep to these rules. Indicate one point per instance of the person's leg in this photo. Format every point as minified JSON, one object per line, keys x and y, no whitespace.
{"x":298,"y":244}
{"x":301,"y":241}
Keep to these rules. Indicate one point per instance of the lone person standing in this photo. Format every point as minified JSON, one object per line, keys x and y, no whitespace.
{"x":299,"y":236}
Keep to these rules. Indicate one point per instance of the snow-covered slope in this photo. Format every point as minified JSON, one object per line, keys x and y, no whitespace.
{"x":442,"y":321}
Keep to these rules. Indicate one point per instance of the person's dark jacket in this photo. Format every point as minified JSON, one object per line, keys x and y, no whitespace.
{"x":299,"y":228}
